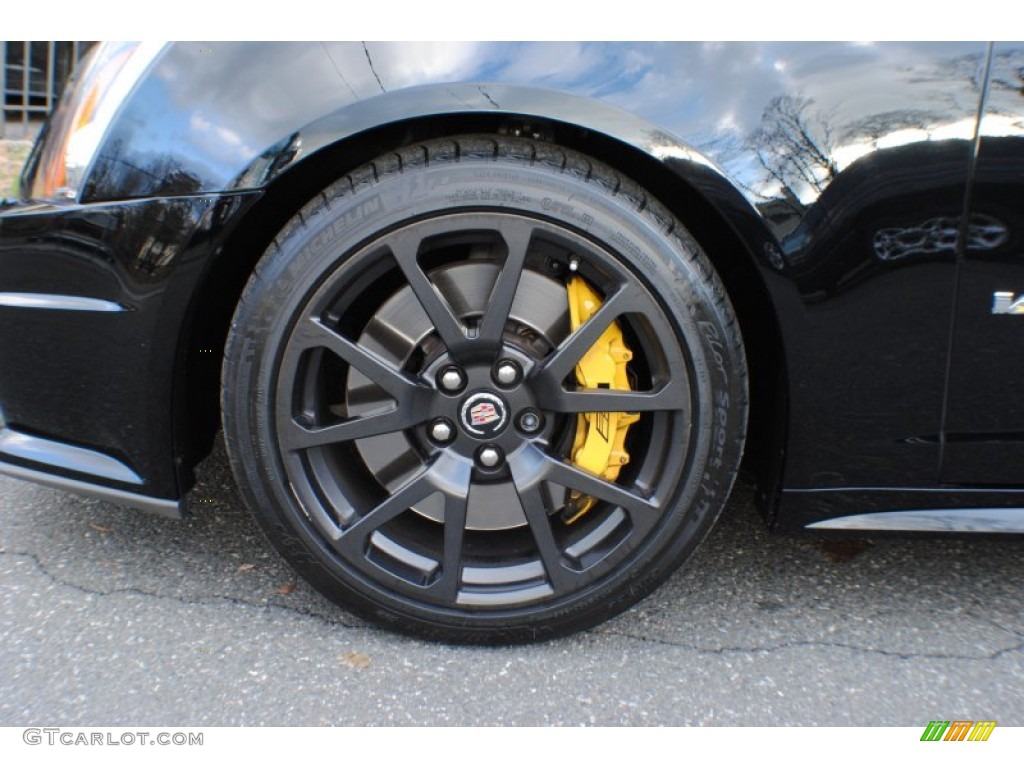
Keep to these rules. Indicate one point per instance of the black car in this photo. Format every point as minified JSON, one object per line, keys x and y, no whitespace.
{"x":489,"y":328}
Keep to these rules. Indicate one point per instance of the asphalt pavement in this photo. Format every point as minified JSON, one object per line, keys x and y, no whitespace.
{"x":114,"y":617}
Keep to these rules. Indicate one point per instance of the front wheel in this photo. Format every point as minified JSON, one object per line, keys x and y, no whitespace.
{"x":484,"y":389}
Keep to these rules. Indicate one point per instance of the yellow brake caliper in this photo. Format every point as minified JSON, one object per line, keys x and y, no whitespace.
{"x":599,"y":446}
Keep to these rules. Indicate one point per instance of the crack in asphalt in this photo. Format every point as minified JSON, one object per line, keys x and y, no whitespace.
{"x":204,"y":600}
{"x":997,"y":625}
{"x":270,"y":604}
{"x":818,"y":644}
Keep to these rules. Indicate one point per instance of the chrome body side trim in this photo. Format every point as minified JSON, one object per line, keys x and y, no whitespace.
{"x":65,"y":456}
{"x":985,"y":520}
{"x":54,"y":301}
{"x":171,"y":508}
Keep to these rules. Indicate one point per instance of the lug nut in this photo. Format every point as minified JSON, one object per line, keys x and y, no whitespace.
{"x":530,"y":421}
{"x":441,"y":430}
{"x":451,"y":379}
{"x":489,"y":456}
{"x":507,"y":372}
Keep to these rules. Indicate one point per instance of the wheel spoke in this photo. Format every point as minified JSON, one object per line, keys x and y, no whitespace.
{"x":517,"y":236}
{"x":571,"y":350}
{"x":455,"y":509}
{"x":668,"y":398}
{"x":313,"y":333}
{"x":451,"y":477}
{"x":353,"y":539}
{"x":532,"y":499}
{"x":404,"y":247}
{"x":572,"y":477}
{"x":295,"y":436}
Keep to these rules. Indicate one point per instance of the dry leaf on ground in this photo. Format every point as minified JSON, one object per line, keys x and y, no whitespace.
{"x":355,"y":660}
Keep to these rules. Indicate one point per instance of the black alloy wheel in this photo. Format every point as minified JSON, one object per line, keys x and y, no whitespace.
{"x":401,"y":396}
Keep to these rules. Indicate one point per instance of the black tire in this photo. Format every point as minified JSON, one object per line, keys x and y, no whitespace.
{"x":455,"y":253}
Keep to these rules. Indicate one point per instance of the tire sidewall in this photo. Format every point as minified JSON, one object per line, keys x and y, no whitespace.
{"x":669,"y":264}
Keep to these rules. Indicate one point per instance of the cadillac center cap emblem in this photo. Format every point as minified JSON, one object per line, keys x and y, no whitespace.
{"x":484,"y":414}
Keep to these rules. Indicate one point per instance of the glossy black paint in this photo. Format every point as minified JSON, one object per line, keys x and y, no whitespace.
{"x":985,"y":422}
{"x":823,"y":179}
{"x":91,"y":379}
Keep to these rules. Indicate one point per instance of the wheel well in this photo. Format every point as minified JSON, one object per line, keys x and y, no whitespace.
{"x":220,"y":290}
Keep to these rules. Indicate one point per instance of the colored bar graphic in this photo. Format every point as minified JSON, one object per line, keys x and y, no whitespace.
{"x":982,"y":730}
{"x":958,"y":730}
